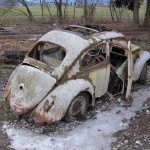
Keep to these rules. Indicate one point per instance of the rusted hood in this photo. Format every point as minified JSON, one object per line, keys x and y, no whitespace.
{"x":27,"y":86}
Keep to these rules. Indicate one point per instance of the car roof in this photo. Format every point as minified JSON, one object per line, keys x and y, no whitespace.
{"x":77,"y":38}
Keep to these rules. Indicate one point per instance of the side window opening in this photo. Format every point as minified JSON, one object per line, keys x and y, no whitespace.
{"x":48,"y":53}
{"x":117,"y":56}
{"x":35,"y":53}
{"x":95,"y":55}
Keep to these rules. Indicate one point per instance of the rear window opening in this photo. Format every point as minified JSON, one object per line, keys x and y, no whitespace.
{"x":48,"y":53}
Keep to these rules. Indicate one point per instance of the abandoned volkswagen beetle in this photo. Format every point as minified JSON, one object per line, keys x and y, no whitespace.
{"x":69,"y":68}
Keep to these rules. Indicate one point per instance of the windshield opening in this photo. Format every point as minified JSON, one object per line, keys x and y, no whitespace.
{"x":48,"y":53}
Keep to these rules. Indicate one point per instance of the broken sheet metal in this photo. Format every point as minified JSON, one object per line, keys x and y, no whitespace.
{"x":100,"y":80}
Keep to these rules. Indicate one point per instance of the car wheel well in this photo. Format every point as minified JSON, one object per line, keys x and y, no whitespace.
{"x":142,"y":79}
{"x":149,"y":62}
{"x":77,"y":108}
{"x":89,"y":95}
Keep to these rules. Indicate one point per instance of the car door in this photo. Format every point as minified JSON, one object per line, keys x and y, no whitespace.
{"x":96,"y":67}
{"x":130,"y":71}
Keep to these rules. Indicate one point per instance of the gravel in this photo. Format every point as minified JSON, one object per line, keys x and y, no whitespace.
{"x":137,"y":135}
{"x":61,"y":126}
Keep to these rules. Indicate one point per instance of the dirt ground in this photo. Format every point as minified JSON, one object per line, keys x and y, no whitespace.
{"x":22,"y":38}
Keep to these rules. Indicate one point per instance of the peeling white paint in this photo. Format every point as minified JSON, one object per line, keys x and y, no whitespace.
{"x":139,"y":64}
{"x":36,"y":84}
{"x":64,"y":94}
{"x":100,"y":79}
{"x":73,"y":44}
{"x":75,"y":69}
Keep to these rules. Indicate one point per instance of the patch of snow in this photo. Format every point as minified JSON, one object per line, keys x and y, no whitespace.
{"x":93,"y":134}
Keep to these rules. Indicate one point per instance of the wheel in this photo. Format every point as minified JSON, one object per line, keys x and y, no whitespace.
{"x":77,"y":108}
{"x":142,"y":79}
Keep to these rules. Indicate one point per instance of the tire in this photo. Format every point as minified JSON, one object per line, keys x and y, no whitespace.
{"x":142,"y":79}
{"x":77,"y":108}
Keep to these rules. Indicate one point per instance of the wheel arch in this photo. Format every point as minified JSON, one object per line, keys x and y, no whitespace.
{"x":89,"y":95}
{"x":149,"y":62}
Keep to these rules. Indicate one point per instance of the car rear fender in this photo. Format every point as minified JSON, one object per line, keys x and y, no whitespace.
{"x":26,"y":87}
{"x":139,"y":64}
{"x":55,"y":105}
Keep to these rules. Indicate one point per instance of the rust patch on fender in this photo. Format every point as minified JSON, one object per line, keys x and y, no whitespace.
{"x":41,"y":118}
{"x":18,"y":110}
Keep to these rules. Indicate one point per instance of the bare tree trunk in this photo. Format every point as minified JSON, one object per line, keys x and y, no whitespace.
{"x":42,"y":9}
{"x":136,"y":13}
{"x":85,"y":10}
{"x":58,"y":5}
{"x":120,"y":13}
{"x":114,"y":8}
{"x":65,"y":8}
{"x":47,"y":7}
{"x":23,"y":2}
{"x":74,"y":10}
{"x":92,"y":11}
{"x":147,"y":15}
{"x":110,"y":8}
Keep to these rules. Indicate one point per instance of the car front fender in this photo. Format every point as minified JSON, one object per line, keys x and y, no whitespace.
{"x":139,"y":64}
{"x":55,"y":105}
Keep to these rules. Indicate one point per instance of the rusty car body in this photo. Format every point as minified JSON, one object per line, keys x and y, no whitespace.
{"x":69,"y":68}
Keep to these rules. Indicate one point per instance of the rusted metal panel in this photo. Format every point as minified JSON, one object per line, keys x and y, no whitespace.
{"x":27,"y":87}
{"x":38,"y":64}
{"x":124,"y":45}
{"x":100,"y":79}
{"x":59,"y":99}
{"x":122,"y":71}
